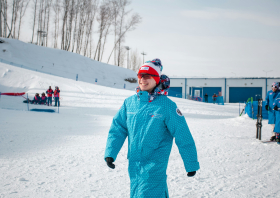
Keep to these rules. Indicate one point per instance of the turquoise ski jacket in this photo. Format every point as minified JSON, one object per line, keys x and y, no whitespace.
{"x":270,"y":98}
{"x":150,"y":127}
{"x":277,"y":115}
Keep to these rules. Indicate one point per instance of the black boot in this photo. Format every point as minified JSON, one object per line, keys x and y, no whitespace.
{"x":273,"y":138}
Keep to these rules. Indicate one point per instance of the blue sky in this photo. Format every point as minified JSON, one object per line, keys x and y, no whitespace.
{"x":210,"y":38}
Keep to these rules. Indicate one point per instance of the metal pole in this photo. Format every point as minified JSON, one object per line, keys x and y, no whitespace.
{"x":143,"y":53}
{"x":27,"y":103}
{"x":260,"y":121}
{"x":239,"y":108}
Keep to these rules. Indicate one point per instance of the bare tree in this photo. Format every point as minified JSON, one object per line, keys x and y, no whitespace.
{"x":23,"y":4}
{"x":129,"y":26}
{"x":104,"y":19}
{"x":56,"y":8}
{"x":14,"y":4}
{"x":122,"y":55}
{"x":1,"y":6}
{"x":135,"y":60}
{"x":91,"y":12}
{"x":40,"y":22}
{"x":81,"y":25}
{"x":64,"y":31}
{"x":116,"y":10}
{"x":48,"y":10}
{"x":34,"y":19}
{"x":77,"y":10}
{"x":4,"y":11}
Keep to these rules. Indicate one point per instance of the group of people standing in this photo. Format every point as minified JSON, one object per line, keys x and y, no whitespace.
{"x":273,"y":107}
{"x":47,"y":99}
{"x":214,"y":97}
{"x":50,"y":92}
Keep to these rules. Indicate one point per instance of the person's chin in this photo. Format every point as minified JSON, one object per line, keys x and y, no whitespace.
{"x":145,"y":88}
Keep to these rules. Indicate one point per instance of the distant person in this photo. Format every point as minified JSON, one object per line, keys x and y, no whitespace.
{"x":206,"y":97}
{"x":43,"y":98}
{"x":56,"y":96}
{"x":270,"y":99}
{"x":36,"y":99}
{"x":49,"y":93}
{"x":214,"y":97}
{"x":150,"y":121}
{"x":276,"y":108}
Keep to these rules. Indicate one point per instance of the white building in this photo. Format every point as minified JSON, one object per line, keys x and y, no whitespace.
{"x":232,"y":89}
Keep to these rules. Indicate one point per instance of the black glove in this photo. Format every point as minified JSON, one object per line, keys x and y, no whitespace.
{"x":266,"y":107}
{"x":109,"y":161}
{"x":276,"y":108}
{"x":191,"y":174}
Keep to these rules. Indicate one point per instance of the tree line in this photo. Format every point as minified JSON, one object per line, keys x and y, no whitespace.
{"x":80,"y":26}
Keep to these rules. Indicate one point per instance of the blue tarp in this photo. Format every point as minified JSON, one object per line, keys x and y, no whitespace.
{"x":249,"y":109}
{"x":220,"y":100}
{"x":43,"y":110}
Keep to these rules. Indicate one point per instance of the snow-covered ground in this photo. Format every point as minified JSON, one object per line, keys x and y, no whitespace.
{"x":61,"y":154}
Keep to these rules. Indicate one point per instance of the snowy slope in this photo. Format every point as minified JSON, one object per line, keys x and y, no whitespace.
{"x":61,"y":155}
{"x":64,"y":64}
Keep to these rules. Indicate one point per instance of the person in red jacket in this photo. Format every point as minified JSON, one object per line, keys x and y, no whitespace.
{"x":43,"y":98}
{"x":214,"y":98}
{"x":36,"y":99}
{"x":49,"y":93}
{"x":56,"y":96}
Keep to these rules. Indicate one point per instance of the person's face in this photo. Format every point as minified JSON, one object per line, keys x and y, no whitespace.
{"x":147,"y":84}
{"x":274,"y":89}
{"x":50,"y":87}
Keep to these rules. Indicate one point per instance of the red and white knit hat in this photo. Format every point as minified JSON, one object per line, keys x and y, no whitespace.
{"x":153,"y":68}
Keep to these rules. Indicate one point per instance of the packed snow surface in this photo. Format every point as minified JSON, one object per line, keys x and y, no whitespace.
{"x":61,"y":154}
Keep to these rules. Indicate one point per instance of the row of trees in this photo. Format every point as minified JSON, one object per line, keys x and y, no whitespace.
{"x":80,"y":26}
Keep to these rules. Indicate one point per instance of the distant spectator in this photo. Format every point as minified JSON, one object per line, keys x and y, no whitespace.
{"x":36,"y":99}
{"x":43,"y":98}
{"x":49,"y":93}
{"x":206,"y":97}
{"x":271,"y":96}
{"x":56,"y":96}
{"x":276,"y":108}
{"x":214,"y":98}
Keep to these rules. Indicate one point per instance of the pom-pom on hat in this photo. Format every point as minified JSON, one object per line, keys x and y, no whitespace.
{"x":275,"y":85}
{"x":153,"y":67}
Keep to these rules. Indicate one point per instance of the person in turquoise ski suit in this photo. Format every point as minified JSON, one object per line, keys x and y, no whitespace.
{"x":276,"y":108}
{"x":150,"y":121}
{"x":270,"y":98}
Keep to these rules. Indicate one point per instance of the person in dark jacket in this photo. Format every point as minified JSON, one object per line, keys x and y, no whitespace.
{"x":56,"y":96}
{"x":206,"y":97}
{"x":270,"y":98}
{"x":150,"y":121}
{"x":49,"y":93}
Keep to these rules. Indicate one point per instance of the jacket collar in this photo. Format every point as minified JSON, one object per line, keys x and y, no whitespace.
{"x":143,"y":96}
